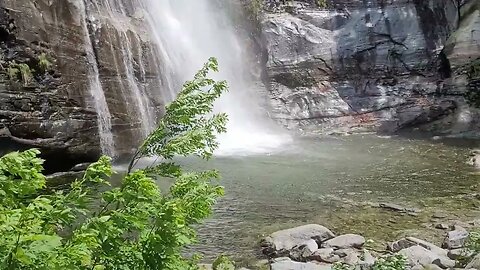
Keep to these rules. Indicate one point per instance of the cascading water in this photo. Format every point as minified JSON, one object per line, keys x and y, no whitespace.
{"x":134,"y":94}
{"x":96,"y":91}
{"x":188,"y":33}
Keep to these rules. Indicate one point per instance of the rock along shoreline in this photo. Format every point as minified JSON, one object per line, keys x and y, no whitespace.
{"x":315,"y":247}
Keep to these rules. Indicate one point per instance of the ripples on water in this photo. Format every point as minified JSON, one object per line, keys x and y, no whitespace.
{"x":310,"y":179}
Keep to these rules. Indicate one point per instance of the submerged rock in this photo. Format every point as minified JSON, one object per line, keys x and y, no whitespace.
{"x":398,"y":208}
{"x":281,"y":242}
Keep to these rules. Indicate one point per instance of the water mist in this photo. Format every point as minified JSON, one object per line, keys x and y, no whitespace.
{"x":188,"y":33}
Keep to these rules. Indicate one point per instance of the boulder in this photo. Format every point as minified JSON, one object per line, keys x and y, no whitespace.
{"x":288,"y":264}
{"x":474,"y":263}
{"x":342,"y":253}
{"x":459,"y":253}
{"x":304,"y":251}
{"x":352,"y":258}
{"x":325,"y":255}
{"x":345,"y":241}
{"x":281,"y":242}
{"x":80,"y":167}
{"x":63,"y":178}
{"x":368,"y":260}
{"x":412,"y":241}
{"x":444,"y":262}
{"x":432,"y":267}
{"x":456,"y":238}
{"x":399,"y":245}
{"x":418,"y":255}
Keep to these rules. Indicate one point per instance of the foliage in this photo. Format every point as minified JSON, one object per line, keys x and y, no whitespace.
{"x":473,"y":242}
{"x":393,"y":262}
{"x":15,"y":70}
{"x":342,"y":266}
{"x":472,"y":248}
{"x":321,"y":3}
{"x":133,"y":226}
{"x":256,"y":7}
{"x":44,"y":62}
{"x":223,"y":263}
{"x":185,"y":129}
{"x":26,"y":73}
{"x":389,"y":262}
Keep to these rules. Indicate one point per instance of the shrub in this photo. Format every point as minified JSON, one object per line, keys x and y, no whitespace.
{"x":26,"y":73}
{"x":389,"y":262}
{"x":13,"y":71}
{"x":133,"y":226}
{"x":44,"y":63}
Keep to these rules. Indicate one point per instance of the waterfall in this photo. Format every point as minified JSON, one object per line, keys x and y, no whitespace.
{"x":96,"y":91}
{"x":117,"y":15}
{"x":188,"y":32}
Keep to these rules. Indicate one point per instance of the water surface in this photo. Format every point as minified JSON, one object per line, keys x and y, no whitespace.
{"x":311,"y":179}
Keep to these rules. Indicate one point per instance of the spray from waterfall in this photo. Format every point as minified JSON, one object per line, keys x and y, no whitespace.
{"x":188,"y":33}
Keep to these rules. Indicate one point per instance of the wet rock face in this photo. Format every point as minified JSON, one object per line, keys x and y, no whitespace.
{"x":55,"y":111}
{"x":49,"y":113}
{"x":364,"y":65}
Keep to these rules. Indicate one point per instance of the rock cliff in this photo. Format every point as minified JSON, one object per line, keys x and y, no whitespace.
{"x":56,"y":111}
{"x":372,"y":65}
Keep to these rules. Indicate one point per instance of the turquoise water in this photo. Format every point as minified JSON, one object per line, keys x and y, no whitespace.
{"x":311,"y":180}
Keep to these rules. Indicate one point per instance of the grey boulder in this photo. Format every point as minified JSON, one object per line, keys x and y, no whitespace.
{"x":325,"y":255}
{"x":412,"y":241}
{"x":456,"y":238}
{"x":418,"y":255}
{"x":281,"y":242}
{"x":474,"y":263}
{"x":288,"y":264}
{"x":304,"y":251}
{"x":345,"y":241}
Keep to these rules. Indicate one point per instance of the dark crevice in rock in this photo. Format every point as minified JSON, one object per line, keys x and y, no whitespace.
{"x":444,"y":68}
